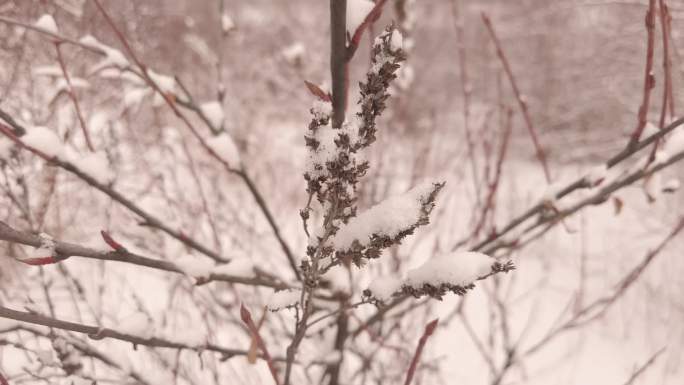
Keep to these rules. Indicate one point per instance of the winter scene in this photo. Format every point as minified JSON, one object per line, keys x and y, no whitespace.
{"x":341,"y":192}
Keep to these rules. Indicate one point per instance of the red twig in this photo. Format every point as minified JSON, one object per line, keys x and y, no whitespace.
{"x":3,"y":381}
{"x":246,"y":317}
{"x":649,"y":78}
{"x":466,"y":90}
{"x":41,"y":261}
{"x":494,"y":183}
{"x":111,"y":242}
{"x":667,"y":102}
{"x":666,"y":27}
{"x":372,"y":17}
{"x":521,"y":101}
{"x":72,"y":95}
{"x":9,"y":133}
{"x":429,"y":329}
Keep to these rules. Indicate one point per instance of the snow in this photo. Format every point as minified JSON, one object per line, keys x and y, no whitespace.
{"x":75,"y":380}
{"x":405,"y":77}
{"x":236,"y":267}
{"x":62,"y":84}
{"x":550,"y":191}
{"x":457,"y":268}
{"x":96,"y":165}
{"x":213,"y":111}
{"x":45,"y":356}
{"x":326,"y":151}
{"x":193,"y":337}
{"x":389,"y":217}
{"x":672,"y":185}
{"x":98,"y":121}
{"x":46,"y":249}
{"x":596,"y":175}
{"x":167,"y":84}
{"x":382,"y":288}
{"x":653,"y":186}
{"x":194,"y":267}
{"x":357,"y":10}
{"x":339,"y":279}
{"x":45,"y":141}
{"x":53,"y":71}
{"x":396,"y":41}
{"x":675,"y":142}
{"x":47,"y":23}
{"x":133,"y":97}
{"x":5,"y":148}
{"x":321,"y":109}
{"x":227,"y":23}
{"x":649,"y":129}
{"x":113,"y":57}
{"x":332,"y":357}
{"x":225,"y":148}
{"x":294,"y":53}
{"x":283,"y":299}
{"x":137,"y":324}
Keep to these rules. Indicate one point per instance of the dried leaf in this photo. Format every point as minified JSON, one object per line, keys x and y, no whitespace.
{"x":318,"y":92}
{"x":618,"y":204}
{"x":254,"y":346}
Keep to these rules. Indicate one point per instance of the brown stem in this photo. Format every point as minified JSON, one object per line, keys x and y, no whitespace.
{"x":65,"y":250}
{"x":98,"y":333}
{"x":649,"y":78}
{"x":72,"y":95}
{"x":338,"y":60}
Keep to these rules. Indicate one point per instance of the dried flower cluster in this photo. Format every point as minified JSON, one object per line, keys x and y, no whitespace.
{"x":336,"y":162}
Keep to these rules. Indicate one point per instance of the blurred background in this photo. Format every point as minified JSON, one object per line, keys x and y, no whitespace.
{"x":579,"y":65}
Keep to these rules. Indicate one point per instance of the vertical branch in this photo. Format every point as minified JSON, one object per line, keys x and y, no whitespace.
{"x":246,"y":317}
{"x":429,"y":329}
{"x":668,"y":100}
{"x":73,"y":97}
{"x":342,"y":325}
{"x":466,"y":90}
{"x":338,"y":59}
{"x":521,"y":101}
{"x":649,"y":78}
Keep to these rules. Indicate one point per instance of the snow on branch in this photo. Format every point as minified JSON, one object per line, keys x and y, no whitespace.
{"x":385,"y":224}
{"x":454,"y":272}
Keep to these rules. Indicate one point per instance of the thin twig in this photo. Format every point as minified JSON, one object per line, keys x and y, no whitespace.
{"x":429,"y":329}
{"x":247,"y":319}
{"x":72,"y":95}
{"x":65,"y":250}
{"x":645,"y":366}
{"x":98,"y":333}
{"x":649,"y":78}
{"x":541,"y":156}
